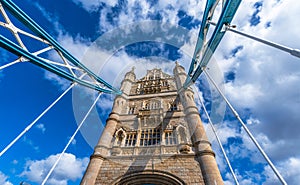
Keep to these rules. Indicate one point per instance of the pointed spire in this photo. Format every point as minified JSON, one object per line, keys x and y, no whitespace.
{"x":132,"y":69}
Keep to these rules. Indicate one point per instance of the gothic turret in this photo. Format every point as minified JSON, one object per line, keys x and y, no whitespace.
{"x":153,"y":135}
{"x":204,"y":153}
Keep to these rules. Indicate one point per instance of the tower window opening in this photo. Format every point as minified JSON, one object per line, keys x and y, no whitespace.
{"x":173,"y":106}
{"x":130,"y":139}
{"x":170,"y":138}
{"x":150,"y":137}
{"x":147,"y":106}
{"x":131,"y":110}
{"x":182,"y":135}
{"x":155,"y":105}
{"x":120,"y":136}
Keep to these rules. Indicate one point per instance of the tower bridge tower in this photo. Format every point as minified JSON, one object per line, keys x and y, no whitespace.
{"x":153,"y":135}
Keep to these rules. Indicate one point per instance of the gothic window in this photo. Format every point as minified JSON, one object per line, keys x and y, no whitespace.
{"x":119,"y":137}
{"x":147,"y":106}
{"x":170,"y":138}
{"x":173,"y":106}
{"x":131,"y":110}
{"x":182,"y":134}
{"x":130,"y":139}
{"x":150,"y":137}
{"x":155,"y":105}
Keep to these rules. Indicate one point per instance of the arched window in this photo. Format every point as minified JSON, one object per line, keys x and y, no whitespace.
{"x":155,"y":105}
{"x":149,"y":177}
{"x":119,"y":137}
{"x":147,"y":106}
{"x":173,"y":106}
{"x":131,"y":110}
{"x":182,"y":134}
{"x":150,"y":137}
{"x":130,"y":139}
{"x":170,"y":138}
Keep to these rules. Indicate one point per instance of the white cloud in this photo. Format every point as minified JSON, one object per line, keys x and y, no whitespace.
{"x":69,"y":168}
{"x":93,"y":5}
{"x":4,"y":55}
{"x":225,"y":131}
{"x":134,"y":10}
{"x":288,"y":168}
{"x":30,"y":143}
{"x":246,"y":99}
{"x":57,"y":80}
{"x":73,"y":142}
{"x":15,"y":161}
{"x":76,"y":46}
{"x":3,"y":179}
{"x":266,"y":80}
{"x":41,"y":127}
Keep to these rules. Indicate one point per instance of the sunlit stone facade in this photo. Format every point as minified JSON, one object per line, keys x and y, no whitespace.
{"x":153,"y":135}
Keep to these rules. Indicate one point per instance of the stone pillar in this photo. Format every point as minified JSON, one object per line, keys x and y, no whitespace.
{"x":127,"y":82}
{"x":104,"y":145}
{"x":204,"y":153}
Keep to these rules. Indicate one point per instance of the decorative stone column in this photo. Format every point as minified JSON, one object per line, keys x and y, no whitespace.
{"x":104,"y":145}
{"x":204,"y":153}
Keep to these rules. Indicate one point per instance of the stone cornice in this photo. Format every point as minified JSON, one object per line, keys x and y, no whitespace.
{"x":192,"y":112}
{"x":97,"y":156}
{"x":112,"y":119}
{"x":101,"y":146}
{"x":202,"y":141}
{"x":143,"y":96}
{"x":113,"y":113}
{"x":191,"y":107}
{"x":205,"y":152}
{"x":152,"y":156}
{"x":182,"y":90}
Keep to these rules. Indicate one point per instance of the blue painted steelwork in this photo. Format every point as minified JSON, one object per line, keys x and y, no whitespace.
{"x":17,"y":50}
{"x":33,"y":26}
{"x":228,"y":11}
{"x":207,"y":16}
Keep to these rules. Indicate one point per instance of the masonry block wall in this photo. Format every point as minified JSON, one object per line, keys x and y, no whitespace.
{"x":154,"y":135}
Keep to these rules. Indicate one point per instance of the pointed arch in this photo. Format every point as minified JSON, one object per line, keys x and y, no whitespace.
{"x":149,"y":176}
{"x":120,"y":135}
{"x":182,"y":134}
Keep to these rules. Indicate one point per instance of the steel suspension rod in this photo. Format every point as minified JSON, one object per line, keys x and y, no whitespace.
{"x":70,"y":140}
{"x":219,"y":141}
{"x":247,"y":130}
{"x":32,"y":123}
{"x":294,"y":52}
{"x":10,"y":64}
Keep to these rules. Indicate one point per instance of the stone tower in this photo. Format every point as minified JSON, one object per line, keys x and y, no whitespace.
{"x":153,"y":135}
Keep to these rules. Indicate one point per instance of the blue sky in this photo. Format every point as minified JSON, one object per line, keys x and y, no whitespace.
{"x":261,"y":82}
